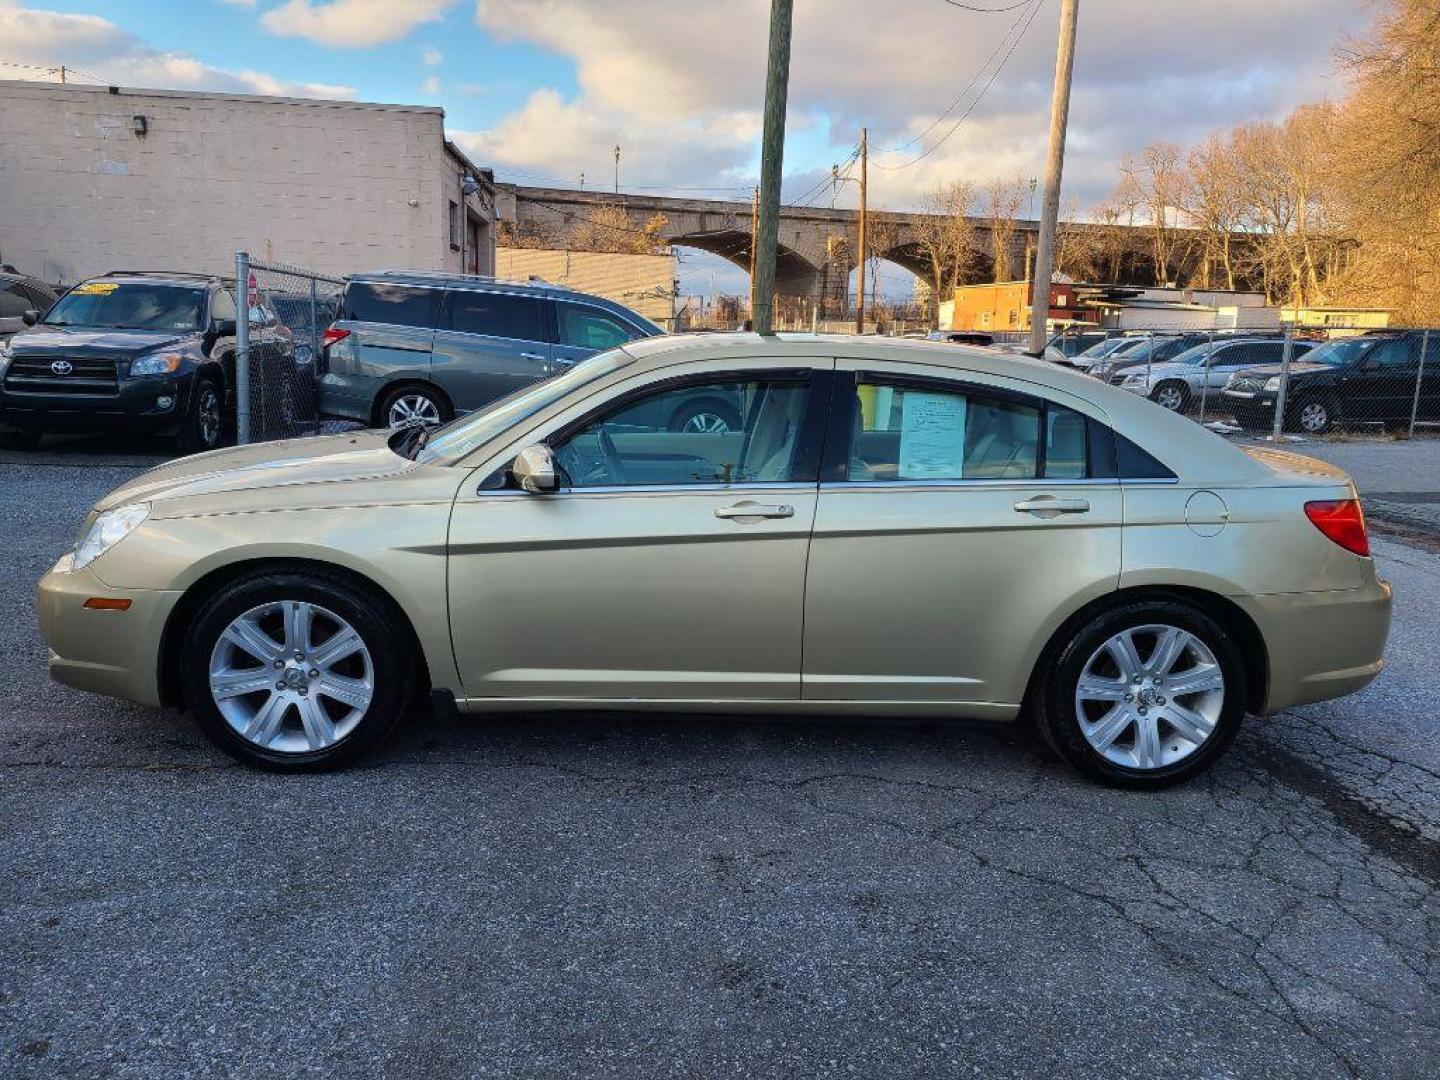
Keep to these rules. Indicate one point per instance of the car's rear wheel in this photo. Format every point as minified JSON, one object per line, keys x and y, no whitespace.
{"x":1144,"y":695}
{"x":297,"y":671}
{"x":200,"y":430}
{"x":1171,"y":395}
{"x":1314,"y":416}
{"x":414,"y":406}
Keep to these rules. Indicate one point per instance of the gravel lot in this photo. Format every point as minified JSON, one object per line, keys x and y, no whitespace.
{"x":673,"y":896}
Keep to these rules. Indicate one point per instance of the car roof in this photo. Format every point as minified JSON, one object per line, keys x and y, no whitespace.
{"x":479,"y":282}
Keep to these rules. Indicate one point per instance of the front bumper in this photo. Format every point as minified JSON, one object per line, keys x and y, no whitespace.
{"x":115,"y":653}
{"x":1252,"y":408}
{"x":133,"y":407}
{"x":1322,"y":645}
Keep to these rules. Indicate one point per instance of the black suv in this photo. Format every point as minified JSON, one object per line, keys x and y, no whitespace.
{"x":1370,"y":378}
{"x":144,"y":352}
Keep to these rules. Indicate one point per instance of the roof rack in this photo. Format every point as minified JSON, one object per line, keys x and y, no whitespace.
{"x":167,"y":273}
{"x":451,"y":275}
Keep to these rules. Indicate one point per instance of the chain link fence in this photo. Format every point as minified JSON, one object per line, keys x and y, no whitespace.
{"x":282,"y":316}
{"x":1299,"y":381}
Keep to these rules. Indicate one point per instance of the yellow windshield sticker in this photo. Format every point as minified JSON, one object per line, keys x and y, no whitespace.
{"x":97,"y":288}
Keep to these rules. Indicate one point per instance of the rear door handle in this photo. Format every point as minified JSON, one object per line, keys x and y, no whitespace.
{"x":755,"y":510}
{"x":1049,"y":506}
{"x":531,"y":356}
{"x":566,"y":361}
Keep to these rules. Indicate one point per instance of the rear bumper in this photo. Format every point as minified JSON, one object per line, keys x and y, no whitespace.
{"x":115,"y":653}
{"x":345,"y":397}
{"x":1322,"y":645}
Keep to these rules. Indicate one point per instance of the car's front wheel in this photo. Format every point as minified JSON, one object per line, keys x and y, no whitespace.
{"x":297,"y":670}
{"x":1314,"y":416}
{"x":1171,"y":395}
{"x":200,"y":430}
{"x":1144,"y":695}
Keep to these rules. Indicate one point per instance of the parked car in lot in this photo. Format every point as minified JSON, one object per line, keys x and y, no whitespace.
{"x":20,"y":294}
{"x":1137,"y":352}
{"x":895,"y":527}
{"x":412,"y":348}
{"x":141,"y":351}
{"x":1175,"y":384}
{"x":1367,"y":379}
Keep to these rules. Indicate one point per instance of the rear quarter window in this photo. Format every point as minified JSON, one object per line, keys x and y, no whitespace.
{"x":394,"y":305}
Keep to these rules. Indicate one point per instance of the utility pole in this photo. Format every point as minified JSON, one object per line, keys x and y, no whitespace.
{"x":617,"y":168}
{"x":772,"y":154}
{"x":754,"y":230}
{"x":860,"y":279}
{"x":582,"y":181}
{"x":1054,"y":166}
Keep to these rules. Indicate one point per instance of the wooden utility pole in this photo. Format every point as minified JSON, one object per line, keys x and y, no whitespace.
{"x":617,"y":169}
{"x":754,"y":229}
{"x":860,"y":279}
{"x":772,"y":155}
{"x":1054,"y":166}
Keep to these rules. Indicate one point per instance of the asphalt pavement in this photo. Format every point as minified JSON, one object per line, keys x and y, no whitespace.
{"x":679,"y":896}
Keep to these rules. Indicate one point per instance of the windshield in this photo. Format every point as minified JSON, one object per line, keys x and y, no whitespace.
{"x":458,"y":438}
{"x":1198,"y":355}
{"x":1342,"y":352}
{"x":129,"y":306}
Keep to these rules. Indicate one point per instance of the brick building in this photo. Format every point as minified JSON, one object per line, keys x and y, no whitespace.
{"x":95,"y":178}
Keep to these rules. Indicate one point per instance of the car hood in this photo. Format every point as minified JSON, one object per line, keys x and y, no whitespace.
{"x":78,"y":340}
{"x":1297,"y":367}
{"x":325,"y":459}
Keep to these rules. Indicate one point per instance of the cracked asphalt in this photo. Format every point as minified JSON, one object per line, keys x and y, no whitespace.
{"x":675,"y":896}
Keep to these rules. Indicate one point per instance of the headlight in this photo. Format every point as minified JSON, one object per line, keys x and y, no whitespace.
{"x":108,"y":530}
{"x":156,"y":364}
{"x":1273,"y":384}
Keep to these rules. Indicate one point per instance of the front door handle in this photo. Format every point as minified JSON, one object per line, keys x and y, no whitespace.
{"x":1049,"y":506}
{"x":531,"y":356}
{"x":755,"y":510}
{"x":566,"y":361}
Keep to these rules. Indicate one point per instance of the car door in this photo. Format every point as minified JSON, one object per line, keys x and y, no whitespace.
{"x":1227,"y":360}
{"x":1382,"y":388}
{"x":1428,"y":407}
{"x":584,"y":330}
{"x":670,"y":566}
{"x":957,"y":516}
{"x":490,"y":343}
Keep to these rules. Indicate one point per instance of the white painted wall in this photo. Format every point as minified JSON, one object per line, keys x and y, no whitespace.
{"x":333,"y":186}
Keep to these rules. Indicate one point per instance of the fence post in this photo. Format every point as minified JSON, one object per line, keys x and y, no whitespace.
{"x":1205,"y":381}
{"x":315,"y":350}
{"x":1149,"y":363}
{"x":1419,"y":378}
{"x":242,"y":347}
{"x":1285,"y":355}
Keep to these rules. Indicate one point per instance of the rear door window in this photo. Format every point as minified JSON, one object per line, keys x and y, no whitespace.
{"x":521,"y":318}
{"x":391,"y":304}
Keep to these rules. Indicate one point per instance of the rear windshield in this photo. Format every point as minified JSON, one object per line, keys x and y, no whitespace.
{"x":394,"y":305}
{"x":129,"y":306}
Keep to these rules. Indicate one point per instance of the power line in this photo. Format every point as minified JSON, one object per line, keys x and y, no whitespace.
{"x":985,"y":10}
{"x":968,"y":86}
{"x":980,"y":97}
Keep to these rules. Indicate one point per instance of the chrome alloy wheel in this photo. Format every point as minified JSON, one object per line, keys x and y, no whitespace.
{"x":1150,"y":697}
{"x":1170,"y":397}
{"x":1314,"y":417}
{"x":706,"y":423}
{"x":291,"y":677}
{"x":413,"y":410}
{"x":207,"y":410}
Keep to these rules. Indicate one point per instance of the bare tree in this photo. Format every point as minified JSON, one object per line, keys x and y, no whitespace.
{"x":946,"y":238}
{"x":1214,"y":206}
{"x":1155,"y":183}
{"x":1003,"y":200}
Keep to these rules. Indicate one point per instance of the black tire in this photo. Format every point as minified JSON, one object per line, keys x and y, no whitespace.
{"x":1056,"y":707}
{"x":204,"y":421}
{"x":692,"y":411}
{"x":396,"y":666}
{"x":437,"y":401}
{"x":1172,"y":390}
{"x":1302,"y":416}
{"x":19,"y":440}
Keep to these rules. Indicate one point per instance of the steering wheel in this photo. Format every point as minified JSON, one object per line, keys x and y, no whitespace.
{"x":613,"y":463}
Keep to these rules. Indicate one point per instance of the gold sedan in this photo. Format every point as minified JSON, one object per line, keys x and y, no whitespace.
{"x":867,"y":527}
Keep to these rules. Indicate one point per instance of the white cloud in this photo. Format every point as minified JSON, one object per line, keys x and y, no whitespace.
{"x":351,"y":23}
{"x":95,"y":49}
{"x":690,"y":77}
{"x":431,"y":57}
{"x":431,"y":86}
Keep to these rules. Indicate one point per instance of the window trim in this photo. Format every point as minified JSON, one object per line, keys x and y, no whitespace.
{"x":808,"y":451}
{"x":835,"y":464}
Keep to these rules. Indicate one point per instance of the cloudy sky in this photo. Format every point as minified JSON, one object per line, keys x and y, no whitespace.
{"x":542,"y":90}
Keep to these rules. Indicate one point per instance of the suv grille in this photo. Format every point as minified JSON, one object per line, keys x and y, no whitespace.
{"x":1247,"y":385}
{"x":88,"y":376}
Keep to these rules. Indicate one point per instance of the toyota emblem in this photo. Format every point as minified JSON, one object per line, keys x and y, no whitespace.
{"x":62,"y":367}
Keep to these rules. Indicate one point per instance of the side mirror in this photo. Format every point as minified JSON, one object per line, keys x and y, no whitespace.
{"x":534,"y":470}
{"x":223,"y":327}
{"x":31,"y":317}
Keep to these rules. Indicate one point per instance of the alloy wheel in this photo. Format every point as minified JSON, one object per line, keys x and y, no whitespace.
{"x":1314,"y":417}
{"x":1170,"y":397}
{"x":208,"y":414}
{"x":413,"y":410}
{"x":291,"y":677}
{"x":706,"y":423}
{"x":1150,"y":697}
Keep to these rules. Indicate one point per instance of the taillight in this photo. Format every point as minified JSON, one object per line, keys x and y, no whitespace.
{"x":1342,"y":521}
{"x":332,"y":335}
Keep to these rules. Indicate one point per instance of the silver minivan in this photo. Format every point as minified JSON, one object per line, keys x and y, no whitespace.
{"x":417,"y":348}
